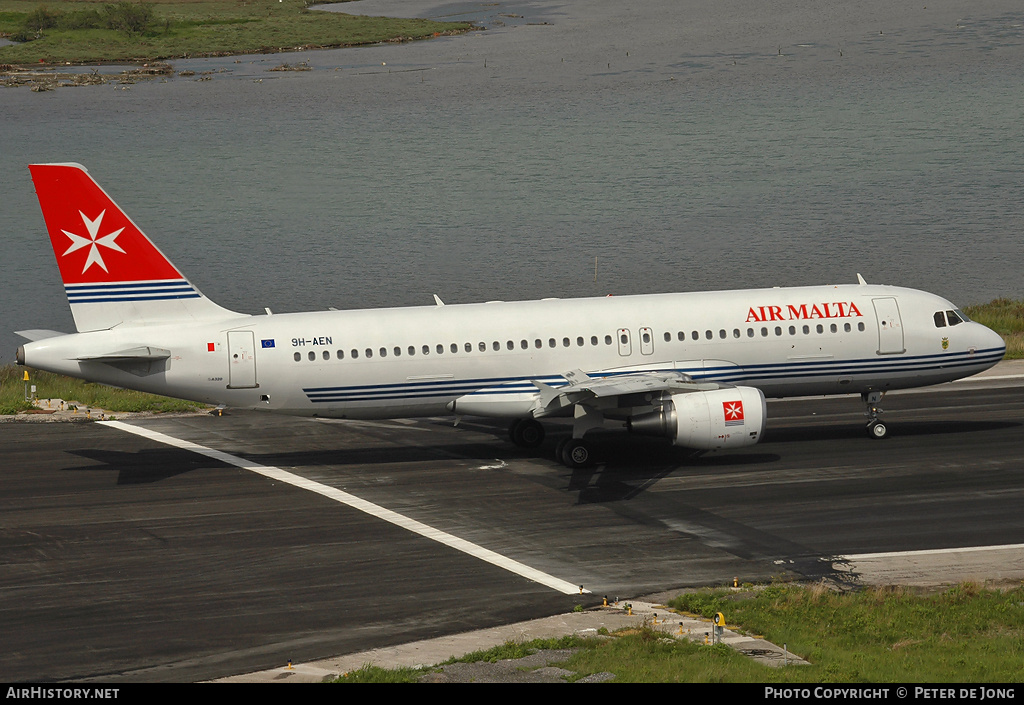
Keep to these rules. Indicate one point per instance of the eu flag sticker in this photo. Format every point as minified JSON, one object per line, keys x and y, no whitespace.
{"x":268,"y":343}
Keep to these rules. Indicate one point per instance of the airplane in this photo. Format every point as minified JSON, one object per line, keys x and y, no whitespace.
{"x":691,"y":367}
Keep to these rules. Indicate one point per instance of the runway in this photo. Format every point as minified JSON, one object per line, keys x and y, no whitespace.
{"x":128,"y":559}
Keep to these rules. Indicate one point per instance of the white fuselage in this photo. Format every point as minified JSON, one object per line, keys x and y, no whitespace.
{"x":484,"y":357}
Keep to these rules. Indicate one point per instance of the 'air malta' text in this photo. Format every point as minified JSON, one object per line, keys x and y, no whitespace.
{"x":836,"y":309}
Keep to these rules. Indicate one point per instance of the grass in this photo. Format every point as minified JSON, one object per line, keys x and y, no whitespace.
{"x":1005,"y":317}
{"x":882,"y":635}
{"x":53,"y":386}
{"x":186,"y":28}
{"x":878,"y":635}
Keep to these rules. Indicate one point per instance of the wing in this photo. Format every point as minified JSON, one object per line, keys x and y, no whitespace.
{"x":627,"y":389}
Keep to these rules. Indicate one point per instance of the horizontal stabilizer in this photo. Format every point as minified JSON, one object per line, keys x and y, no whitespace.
{"x":38,"y":334}
{"x":140,"y":354}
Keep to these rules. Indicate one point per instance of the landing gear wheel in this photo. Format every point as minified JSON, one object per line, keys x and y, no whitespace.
{"x":875,"y":428}
{"x":577,"y":454}
{"x":526,"y":433}
{"x":559,"y":448}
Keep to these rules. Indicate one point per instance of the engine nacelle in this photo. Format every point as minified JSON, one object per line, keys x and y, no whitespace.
{"x":719,"y":418}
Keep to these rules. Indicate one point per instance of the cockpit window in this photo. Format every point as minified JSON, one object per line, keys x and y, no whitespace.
{"x":963,"y":316}
{"x":940,"y":319}
{"x":954,"y":319}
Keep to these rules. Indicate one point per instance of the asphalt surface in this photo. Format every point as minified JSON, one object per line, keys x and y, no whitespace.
{"x":125,"y":559}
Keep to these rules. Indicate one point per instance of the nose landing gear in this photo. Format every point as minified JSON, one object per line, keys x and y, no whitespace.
{"x":875,"y":428}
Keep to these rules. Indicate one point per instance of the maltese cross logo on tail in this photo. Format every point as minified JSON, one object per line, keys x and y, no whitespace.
{"x":92,"y":227}
{"x":733,"y":411}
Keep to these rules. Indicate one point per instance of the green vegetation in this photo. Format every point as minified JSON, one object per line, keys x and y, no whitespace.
{"x":878,"y":635}
{"x":1005,"y":317}
{"x":51,"y":386}
{"x":375,"y":674}
{"x":82,"y":32}
{"x":881,"y":635}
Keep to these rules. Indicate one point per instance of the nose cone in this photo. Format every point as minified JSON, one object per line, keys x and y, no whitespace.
{"x":988,"y":343}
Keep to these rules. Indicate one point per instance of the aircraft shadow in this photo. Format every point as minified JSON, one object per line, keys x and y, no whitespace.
{"x":143,"y":466}
{"x":897,"y":429}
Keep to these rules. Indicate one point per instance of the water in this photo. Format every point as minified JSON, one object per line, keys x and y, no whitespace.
{"x":499,"y":165}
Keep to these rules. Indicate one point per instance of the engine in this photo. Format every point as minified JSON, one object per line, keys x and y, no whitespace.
{"x":719,"y":418}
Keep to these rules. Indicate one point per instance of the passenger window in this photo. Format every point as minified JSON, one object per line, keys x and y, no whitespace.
{"x":681,"y":335}
{"x":607,"y":340}
{"x":312,"y":356}
{"x":398,"y":351}
{"x":792,"y":330}
{"x":764,"y":332}
{"x":383,"y":352}
{"x":565,"y":342}
{"x":778,"y":330}
{"x":538,"y":344}
{"x":807,"y":330}
{"x":750,"y":332}
{"x":593,"y":340}
{"x":860,"y":326}
{"x":940,"y":319}
{"x":695,"y":335}
{"x":496,"y":345}
{"x":355,"y":354}
{"x":481,"y":346}
{"x":327,"y":355}
{"x":524,"y":344}
{"x":510,"y":345}
{"x":580,"y":342}
{"x":721,"y":334}
{"x":412,"y":350}
{"x":668,"y":337}
{"x":551,"y":342}
{"x":369,"y":352}
{"x":735,"y":332}
{"x":298,"y":356}
{"x":847,"y":328}
{"x":820,"y":328}
{"x":455,"y":347}
{"x":426,"y":349}
{"x":708,"y":334}
{"x":834,"y":328}
{"x":468,"y":347}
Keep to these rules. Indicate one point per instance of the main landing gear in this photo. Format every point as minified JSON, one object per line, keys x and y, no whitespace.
{"x":875,"y":428}
{"x":574,"y":453}
{"x":526,"y":433}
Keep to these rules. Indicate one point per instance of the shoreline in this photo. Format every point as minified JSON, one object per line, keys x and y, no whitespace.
{"x":185,"y":34}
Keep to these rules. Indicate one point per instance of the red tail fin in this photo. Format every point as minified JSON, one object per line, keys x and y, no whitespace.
{"x":112,"y":273}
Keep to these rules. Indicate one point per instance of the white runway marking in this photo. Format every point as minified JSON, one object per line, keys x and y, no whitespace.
{"x":356,"y":503}
{"x":936,"y":552}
